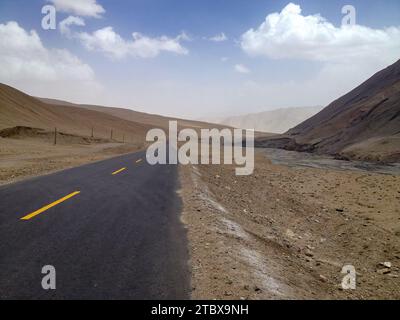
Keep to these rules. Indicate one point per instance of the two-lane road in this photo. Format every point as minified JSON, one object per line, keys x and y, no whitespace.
{"x":111,"y":229}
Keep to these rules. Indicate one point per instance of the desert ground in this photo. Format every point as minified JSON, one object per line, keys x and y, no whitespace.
{"x":286,"y":231}
{"x":23,"y":157}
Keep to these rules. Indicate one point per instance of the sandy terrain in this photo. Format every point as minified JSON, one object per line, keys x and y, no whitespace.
{"x":286,"y":232}
{"x":23,"y":158}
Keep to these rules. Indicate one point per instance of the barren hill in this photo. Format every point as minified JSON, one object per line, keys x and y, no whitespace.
{"x":20,"y":109}
{"x":363,"y":124}
{"x":136,"y":116}
{"x":275,"y":121}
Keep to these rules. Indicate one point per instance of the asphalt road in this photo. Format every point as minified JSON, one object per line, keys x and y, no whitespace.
{"x":119,"y":238}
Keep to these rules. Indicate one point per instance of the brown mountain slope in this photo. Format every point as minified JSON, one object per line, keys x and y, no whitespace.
{"x":363,"y":124}
{"x":20,"y":109}
{"x":131,"y":115}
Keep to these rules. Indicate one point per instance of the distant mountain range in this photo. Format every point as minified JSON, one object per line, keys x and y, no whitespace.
{"x":18,"y":109}
{"x":363,"y":124}
{"x":274,"y":121}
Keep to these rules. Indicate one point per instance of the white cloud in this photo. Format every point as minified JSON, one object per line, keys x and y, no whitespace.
{"x":224,"y":59}
{"x":106,"y":40}
{"x":26,"y":62}
{"x":221,"y":37}
{"x":241,"y":68}
{"x":289,"y":34}
{"x":66,"y":23}
{"x":87,"y":8}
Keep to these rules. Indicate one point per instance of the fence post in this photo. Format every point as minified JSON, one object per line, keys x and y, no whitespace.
{"x":92,"y":132}
{"x":111,"y":134}
{"x":55,"y":136}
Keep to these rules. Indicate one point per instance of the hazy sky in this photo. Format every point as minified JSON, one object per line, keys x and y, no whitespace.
{"x":196,"y":58}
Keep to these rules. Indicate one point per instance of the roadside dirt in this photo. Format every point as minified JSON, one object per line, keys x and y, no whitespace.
{"x":286,"y":233}
{"x":29,"y":157}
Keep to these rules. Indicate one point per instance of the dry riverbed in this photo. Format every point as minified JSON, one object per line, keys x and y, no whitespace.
{"x":286,"y":232}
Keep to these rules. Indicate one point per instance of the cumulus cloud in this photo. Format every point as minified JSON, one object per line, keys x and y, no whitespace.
{"x":107,"y":41}
{"x":221,"y":37}
{"x":70,"y":21}
{"x":26,"y":62}
{"x":23,"y":55}
{"x":241,"y":68}
{"x":86,"y":8}
{"x":289,"y":34}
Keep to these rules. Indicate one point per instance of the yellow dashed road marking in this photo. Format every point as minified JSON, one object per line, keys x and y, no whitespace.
{"x":118,"y":171}
{"x":34,"y":214}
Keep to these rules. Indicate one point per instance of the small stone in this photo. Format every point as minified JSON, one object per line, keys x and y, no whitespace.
{"x":309,"y":253}
{"x":290,"y":233}
{"x":383,"y":271}
{"x":257,"y":289}
{"x":386,"y":264}
{"x":323,"y":278}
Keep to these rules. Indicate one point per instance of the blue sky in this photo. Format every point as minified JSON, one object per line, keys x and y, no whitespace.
{"x":250,"y":71}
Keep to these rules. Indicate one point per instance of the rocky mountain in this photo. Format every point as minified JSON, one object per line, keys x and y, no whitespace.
{"x":363,"y":124}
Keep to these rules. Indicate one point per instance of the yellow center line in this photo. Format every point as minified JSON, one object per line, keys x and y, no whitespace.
{"x":138,"y":161}
{"x":118,"y":171}
{"x":34,"y":214}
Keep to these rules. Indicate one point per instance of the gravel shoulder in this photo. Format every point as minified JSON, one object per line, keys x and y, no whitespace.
{"x":286,"y":232}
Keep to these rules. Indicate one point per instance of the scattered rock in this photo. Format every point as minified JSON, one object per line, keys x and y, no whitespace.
{"x":386,"y":264}
{"x":257,"y":289}
{"x":290,"y":233}
{"x":309,"y":253}
{"x":383,"y":271}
